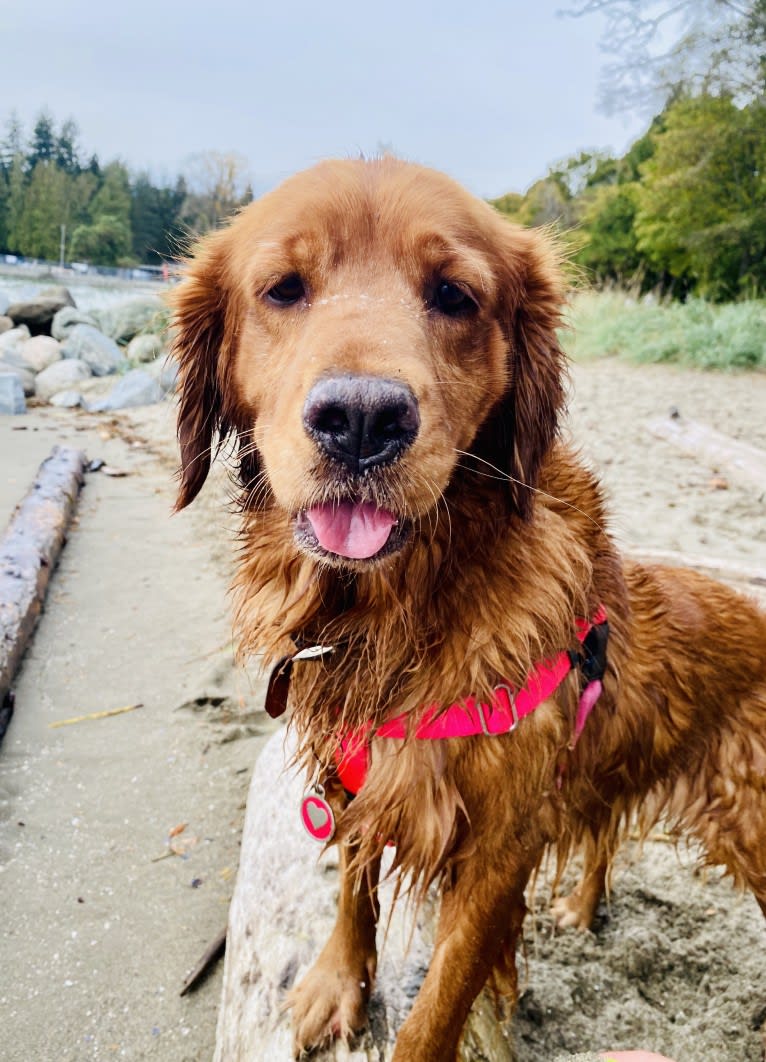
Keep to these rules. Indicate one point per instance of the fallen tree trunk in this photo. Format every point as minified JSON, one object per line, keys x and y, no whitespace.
{"x":741,"y":462}
{"x":29,"y":551}
{"x":740,"y":575}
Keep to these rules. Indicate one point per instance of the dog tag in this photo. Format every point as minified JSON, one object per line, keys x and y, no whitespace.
{"x":316,"y":815}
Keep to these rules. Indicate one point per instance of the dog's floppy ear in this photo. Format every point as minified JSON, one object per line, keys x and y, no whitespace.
{"x":200,"y":305}
{"x":521,"y":428}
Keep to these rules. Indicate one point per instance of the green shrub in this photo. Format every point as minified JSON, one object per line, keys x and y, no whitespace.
{"x":696,"y":333}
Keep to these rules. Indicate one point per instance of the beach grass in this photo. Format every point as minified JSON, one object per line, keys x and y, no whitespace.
{"x":694,"y":334}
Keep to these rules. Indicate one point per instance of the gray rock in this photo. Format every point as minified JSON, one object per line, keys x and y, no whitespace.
{"x":6,"y":324}
{"x":67,"y":399}
{"x":144,"y":348}
{"x":135,"y":388}
{"x":125,"y":320}
{"x":60,"y":292}
{"x":65,"y":320}
{"x":38,"y":313}
{"x":165,"y":371}
{"x":61,"y":376}
{"x":169,"y":376}
{"x":39,"y":352}
{"x":10,"y":344}
{"x":97,"y":350}
{"x":11,"y":394}
{"x":5,"y":302}
{"x":26,"y":377}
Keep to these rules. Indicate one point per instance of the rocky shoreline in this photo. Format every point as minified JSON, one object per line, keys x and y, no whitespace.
{"x":54,"y":353}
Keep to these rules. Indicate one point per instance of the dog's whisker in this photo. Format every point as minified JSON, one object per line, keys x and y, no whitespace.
{"x":508,"y":478}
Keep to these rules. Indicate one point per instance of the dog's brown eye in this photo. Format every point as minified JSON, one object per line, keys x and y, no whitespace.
{"x":452,"y":300}
{"x":288,"y":291}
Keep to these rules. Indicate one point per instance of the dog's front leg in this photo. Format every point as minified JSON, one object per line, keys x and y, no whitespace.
{"x":481,"y":915}
{"x":332,"y":998}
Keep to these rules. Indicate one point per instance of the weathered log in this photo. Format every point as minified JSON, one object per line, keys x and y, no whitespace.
{"x":29,"y":551}
{"x":281,"y":914}
{"x":727,"y":571}
{"x":741,"y":462}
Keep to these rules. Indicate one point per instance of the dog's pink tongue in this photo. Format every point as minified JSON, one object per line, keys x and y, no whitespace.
{"x":351,"y":529}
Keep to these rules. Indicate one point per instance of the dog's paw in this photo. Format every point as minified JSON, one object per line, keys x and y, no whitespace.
{"x":572,"y":912}
{"x":329,"y":1004}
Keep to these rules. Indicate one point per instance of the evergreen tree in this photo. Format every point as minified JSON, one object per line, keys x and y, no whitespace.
{"x":42,"y":147}
{"x":154,"y":219}
{"x":66,"y":152}
{"x":14,"y":224}
{"x":36,"y":231}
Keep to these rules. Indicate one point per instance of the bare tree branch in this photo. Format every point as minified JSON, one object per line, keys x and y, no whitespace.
{"x":661,"y":46}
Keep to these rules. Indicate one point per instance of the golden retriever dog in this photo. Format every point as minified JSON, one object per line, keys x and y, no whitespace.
{"x":475,"y":675}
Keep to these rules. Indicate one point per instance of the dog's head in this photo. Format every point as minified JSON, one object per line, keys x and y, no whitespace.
{"x":363,"y":330}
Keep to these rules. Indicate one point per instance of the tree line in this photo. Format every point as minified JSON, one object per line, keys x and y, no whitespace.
{"x":684,"y":209}
{"x":56,"y":202}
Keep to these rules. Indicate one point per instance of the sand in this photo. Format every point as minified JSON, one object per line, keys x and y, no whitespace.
{"x":119,"y":836}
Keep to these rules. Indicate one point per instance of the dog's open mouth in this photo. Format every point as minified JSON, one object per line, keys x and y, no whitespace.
{"x":352,"y":530}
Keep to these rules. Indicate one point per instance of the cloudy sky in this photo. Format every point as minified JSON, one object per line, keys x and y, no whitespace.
{"x":491,"y":92}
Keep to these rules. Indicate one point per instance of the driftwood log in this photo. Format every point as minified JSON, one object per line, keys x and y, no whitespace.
{"x":739,"y":461}
{"x":28,"y":553}
{"x":740,"y":576}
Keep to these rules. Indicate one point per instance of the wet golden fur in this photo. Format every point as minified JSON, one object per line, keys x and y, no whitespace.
{"x":507,"y":545}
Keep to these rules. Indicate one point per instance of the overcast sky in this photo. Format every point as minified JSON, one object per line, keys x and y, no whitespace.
{"x":490,"y":92}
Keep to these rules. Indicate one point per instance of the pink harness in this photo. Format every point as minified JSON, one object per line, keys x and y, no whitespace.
{"x":468,"y":718}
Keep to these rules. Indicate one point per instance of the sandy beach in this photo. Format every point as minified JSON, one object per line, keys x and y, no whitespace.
{"x":119,"y":836}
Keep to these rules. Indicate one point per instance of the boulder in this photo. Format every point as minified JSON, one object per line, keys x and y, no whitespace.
{"x":38,"y":313}
{"x":94,"y":348}
{"x":67,"y":399}
{"x":11,"y":394}
{"x":26,"y":377}
{"x":125,"y":320}
{"x":135,"y":388}
{"x":61,"y":376}
{"x":39,"y":352}
{"x":10,"y":344}
{"x":165,"y":371}
{"x":5,"y":302}
{"x":6,"y":324}
{"x":144,"y":348}
{"x":65,"y":320}
{"x":59,"y":292}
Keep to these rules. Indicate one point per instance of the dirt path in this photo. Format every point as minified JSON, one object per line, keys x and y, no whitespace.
{"x":98,"y":932}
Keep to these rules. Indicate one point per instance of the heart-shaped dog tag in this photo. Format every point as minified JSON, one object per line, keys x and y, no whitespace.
{"x":317,"y":817}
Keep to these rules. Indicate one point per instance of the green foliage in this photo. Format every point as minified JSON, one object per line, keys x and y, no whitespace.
{"x":105,"y":241}
{"x":155,"y":221}
{"x":610,"y":245}
{"x":702,"y":202}
{"x":37,"y":227}
{"x":684,"y":210}
{"x":696,"y":333}
{"x":109,"y":217}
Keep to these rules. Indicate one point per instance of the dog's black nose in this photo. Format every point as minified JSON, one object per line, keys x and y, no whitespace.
{"x":361,"y":421}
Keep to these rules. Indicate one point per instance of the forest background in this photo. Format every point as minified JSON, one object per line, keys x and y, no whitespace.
{"x":682,"y":212}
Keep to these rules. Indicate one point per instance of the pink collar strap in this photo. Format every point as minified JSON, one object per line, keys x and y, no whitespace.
{"x":470,"y":718}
